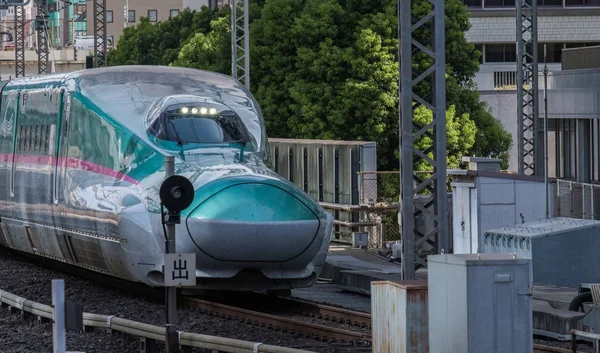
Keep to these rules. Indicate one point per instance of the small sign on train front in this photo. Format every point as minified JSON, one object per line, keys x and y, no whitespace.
{"x":180,"y":270}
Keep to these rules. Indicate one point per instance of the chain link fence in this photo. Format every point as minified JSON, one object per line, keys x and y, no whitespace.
{"x":576,"y":200}
{"x":382,"y":187}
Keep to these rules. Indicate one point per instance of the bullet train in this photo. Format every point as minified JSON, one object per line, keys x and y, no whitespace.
{"x":82,"y":162}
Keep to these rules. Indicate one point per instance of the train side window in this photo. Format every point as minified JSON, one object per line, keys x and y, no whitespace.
{"x":45,"y":140}
{"x":29,"y":137}
{"x":22,"y":138}
{"x":21,"y":132}
{"x":36,"y":139}
{"x":40,"y":139}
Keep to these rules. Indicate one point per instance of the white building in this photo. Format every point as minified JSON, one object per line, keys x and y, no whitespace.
{"x":7,"y":24}
{"x":561,"y":24}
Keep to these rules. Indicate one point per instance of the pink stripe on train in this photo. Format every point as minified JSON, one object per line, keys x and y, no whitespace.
{"x":72,"y":163}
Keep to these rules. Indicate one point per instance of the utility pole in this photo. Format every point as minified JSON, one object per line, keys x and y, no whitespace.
{"x":100,"y":33}
{"x":416,"y":242}
{"x":240,"y":42}
{"x":546,"y":135}
{"x":42,"y":35}
{"x":530,"y":153}
{"x":19,"y":42}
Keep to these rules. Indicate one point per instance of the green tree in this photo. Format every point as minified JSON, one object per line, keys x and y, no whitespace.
{"x":460,"y":135}
{"x":160,"y":43}
{"x":211,"y":51}
{"x":328,"y":69}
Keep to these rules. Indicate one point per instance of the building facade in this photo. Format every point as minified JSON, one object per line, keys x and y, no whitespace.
{"x":562,"y":24}
{"x":7,"y":25}
{"x":123,"y":13}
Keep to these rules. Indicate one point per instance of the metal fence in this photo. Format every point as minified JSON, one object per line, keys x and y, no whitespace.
{"x":382,"y":187}
{"x":576,"y":200}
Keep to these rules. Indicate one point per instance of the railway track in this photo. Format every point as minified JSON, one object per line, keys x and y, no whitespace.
{"x":233,"y":306}
{"x":538,"y":348}
{"x":294,"y":326}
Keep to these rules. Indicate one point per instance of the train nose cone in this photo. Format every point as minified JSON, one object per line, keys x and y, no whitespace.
{"x":253,"y":222}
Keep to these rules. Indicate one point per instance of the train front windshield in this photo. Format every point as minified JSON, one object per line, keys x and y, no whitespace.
{"x":200,"y":125}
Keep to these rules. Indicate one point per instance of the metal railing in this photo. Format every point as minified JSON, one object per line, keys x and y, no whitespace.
{"x":576,"y":200}
{"x":145,"y":331}
{"x":589,"y":335}
{"x":382,"y":189}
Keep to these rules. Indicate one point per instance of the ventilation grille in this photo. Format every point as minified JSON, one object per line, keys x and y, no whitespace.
{"x":505,"y":80}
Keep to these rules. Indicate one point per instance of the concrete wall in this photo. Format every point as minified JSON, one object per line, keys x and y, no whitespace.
{"x":503,"y":105}
{"x":485,"y":77}
{"x":494,"y":29}
{"x":141,"y":7}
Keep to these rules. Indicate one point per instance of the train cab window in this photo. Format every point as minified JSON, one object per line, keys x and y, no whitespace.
{"x":194,"y":122}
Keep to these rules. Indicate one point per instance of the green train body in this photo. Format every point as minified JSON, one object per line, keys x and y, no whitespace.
{"x":82,"y":161}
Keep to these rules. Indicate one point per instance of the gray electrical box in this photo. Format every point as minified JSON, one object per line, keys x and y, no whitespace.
{"x":563,"y":251}
{"x":479,"y":303}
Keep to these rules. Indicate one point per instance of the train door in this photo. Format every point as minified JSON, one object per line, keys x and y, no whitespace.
{"x":34,"y":159}
{"x":7,"y":117}
{"x":59,"y":151}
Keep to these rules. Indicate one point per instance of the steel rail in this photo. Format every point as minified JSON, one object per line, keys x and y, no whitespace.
{"x":293,"y":326}
{"x":538,"y":348}
{"x":300,"y":306}
{"x":355,"y":318}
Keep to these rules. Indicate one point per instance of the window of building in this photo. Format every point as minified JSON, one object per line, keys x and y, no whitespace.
{"x":554,"y":3}
{"x":571,"y":3}
{"x":174,"y":13}
{"x":500,"y":53}
{"x":109,"y":16}
{"x":553,"y":52}
{"x":499,"y":3}
{"x":479,"y":48}
{"x":153,"y":15}
{"x":131,"y":16}
{"x":473,"y":3}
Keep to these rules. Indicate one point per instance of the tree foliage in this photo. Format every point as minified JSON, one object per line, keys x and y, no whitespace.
{"x":460,"y":135}
{"x":328,"y":69}
{"x":210,"y":51}
{"x":160,"y":43}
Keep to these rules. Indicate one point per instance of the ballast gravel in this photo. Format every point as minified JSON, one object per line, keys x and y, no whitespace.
{"x":32,"y":281}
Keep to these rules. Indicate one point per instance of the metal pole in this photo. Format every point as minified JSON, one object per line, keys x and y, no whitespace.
{"x":234,"y":72}
{"x":527,"y":88}
{"x":406,"y":142}
{"x":414,"y":239}
{"x":19,"y":42}
{"x":171,"y":292}
{"x":42,"y":36}
{"x":246,"y":44}
{"x":58,"y":315}
{"x":439,"y":116}
{"x":546,"y":133}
